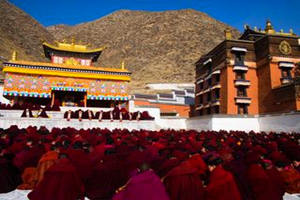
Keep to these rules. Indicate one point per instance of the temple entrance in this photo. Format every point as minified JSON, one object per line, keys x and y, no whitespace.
{"x":69,"y":98}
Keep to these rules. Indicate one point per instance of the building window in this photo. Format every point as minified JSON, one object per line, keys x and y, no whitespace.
{"x":241,"y":92}
{"x":201,"y":85}
{"x":201,"y":99}
{"x":217,"y":79}
{"x":240,"y":75}
{"x":239,"y":58}
{"x":208,"y":97}
{"x":208,"y":111}
{"x":200,"y":112}
{"x":217,"y":93}
{"x":242,"y":109}
{"x":209,"y":82}
{"x":216,"y":110}
{"x":286,"y":73}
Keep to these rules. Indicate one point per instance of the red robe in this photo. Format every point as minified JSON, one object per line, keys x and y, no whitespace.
{"x":260,"y":183}
{"x":60,"y":182}
{"x":184,"y":183}
{"x":222,"y":186}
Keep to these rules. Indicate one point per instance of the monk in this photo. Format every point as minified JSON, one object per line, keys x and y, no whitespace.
{"x":221,"y":185}
{"x":47,"y":160}
{"x":43,"y":113}
{"x":144,"y":185}
{"x":10,"y":176}
{"x":28,"y":179}
{"x":184,"y":181}
{"x":260,"y":183}
{"x":27,"y":113}
{"x":290,"y":175}
{"x":60,"y":182}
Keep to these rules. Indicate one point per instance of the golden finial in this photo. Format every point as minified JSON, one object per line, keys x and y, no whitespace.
{"x":291,"y":31}
{"x":14,"y":56}
{"x":123,"y":64}
{"x":281,"y":30}
{"x":73,"y":40}
{"x":269,"y":28}
{"x":255,"y":28}
{"x":246,"y":26}
{"x":228,"y":35}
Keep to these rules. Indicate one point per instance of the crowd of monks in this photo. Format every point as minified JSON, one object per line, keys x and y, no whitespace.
{"x":117,"y":113}
{"x":70,"y":164}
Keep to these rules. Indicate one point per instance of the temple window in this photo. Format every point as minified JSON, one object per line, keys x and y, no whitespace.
{"x":217,"y":78}
{"x":217,"y":93}
{"x":241,"y":92}
{"x":239,"y":59}
{"x":242,"y":109}
{"x":216,"y":109}
{"x":209,"y":82}
{"x":201,"y":85}
{"x":240,"y":75}
{"x":208,"y":97}
{"x":200,"y":112}
{"x":201,"y":99}
{"x":208,"y":111}
{"x":286,"y":76}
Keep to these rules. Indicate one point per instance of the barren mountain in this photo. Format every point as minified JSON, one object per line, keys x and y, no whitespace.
{"x":156,"y":46}
{"x":20,"y":32}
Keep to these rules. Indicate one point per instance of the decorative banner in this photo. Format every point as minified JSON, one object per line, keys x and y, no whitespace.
{"x":41,"y":86}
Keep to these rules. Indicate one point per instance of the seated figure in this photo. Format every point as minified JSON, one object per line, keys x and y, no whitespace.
{"x":27,"y":113}
{"x":88,"y":114}
{"x":43,"y":114}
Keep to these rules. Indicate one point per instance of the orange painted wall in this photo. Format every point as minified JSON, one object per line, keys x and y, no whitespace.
{"x":182,"y":110}
{"x":231,"y":91}
{"x":223,"y":91}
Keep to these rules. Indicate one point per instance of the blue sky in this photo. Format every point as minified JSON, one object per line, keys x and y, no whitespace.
{"x":284,"y":14}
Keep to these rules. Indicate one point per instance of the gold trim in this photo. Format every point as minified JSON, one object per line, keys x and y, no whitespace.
{"x":73,"y":48}
{"x":285,"y":48}
{"x":66,"y":74}
{"x":69,"y":66}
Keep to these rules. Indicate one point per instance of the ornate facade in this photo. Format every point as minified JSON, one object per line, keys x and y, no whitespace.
{"x":254,"y":74}
{"x":69,"y":78}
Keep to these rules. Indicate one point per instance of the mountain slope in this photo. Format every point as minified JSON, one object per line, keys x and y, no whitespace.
{"x":20,"y":32}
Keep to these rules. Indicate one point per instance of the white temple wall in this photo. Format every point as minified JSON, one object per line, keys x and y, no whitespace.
{"x":285,"y":122}
{"x":236,"y":123}
{"x":2,"y":98}
{"x":171,"y":123}
{"x":84,"y":124}
{"x":197,"y":123}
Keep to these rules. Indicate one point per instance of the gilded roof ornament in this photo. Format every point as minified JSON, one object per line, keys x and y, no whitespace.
{"x":14,"y":56}
{"x":228,"y":35}
{"x":123,"y":65}
{"x":285,"y":48}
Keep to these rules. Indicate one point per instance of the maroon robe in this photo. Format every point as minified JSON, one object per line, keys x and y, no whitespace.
{"x":260,"y":183}
{"x":27,"y":113}
{"x":184,"y":183}
{"x":60,"y":182}
{"x":222,"y":186}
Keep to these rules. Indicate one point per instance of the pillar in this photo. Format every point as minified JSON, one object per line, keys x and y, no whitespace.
{"x":52,"y":99}
{"x":85,"y":100}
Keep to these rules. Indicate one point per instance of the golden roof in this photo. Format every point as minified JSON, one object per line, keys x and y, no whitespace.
{"x":269,"y":29}
{"x":62,"y":46}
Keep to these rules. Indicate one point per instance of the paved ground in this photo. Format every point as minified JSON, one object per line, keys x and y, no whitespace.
{"x":22,"y":195}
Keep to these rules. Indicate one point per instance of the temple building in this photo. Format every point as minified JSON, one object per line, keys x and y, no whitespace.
{"x":70,"y":79}
{"x":252,"y":75}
